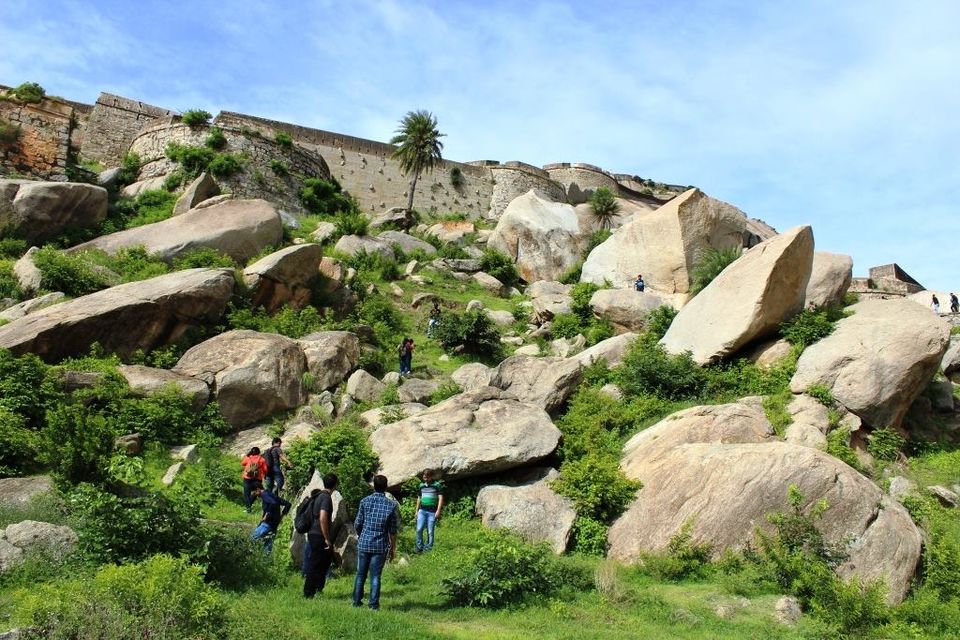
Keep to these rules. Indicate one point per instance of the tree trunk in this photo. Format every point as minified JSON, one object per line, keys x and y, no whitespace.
{"x":413,"y":187}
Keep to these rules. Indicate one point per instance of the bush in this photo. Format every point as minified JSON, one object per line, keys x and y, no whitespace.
{"x":351,"y":224}
{"x":67,"y":273}
{"x":18,"y":445}
{"x":28,"y":389}
{"x":822,"y":394}
{"x":322,"y":197}
{"x":162,"y":597}
{"x":342,"y":449}
{"x":808,"y":327}
{"x":9,"y":133}
{"x":152,"y":206}
{"x":446,"y":390}
{"x":9,"y":284}
{"x":196,"y":117}
{"x":206,"y":257}
{"x":683,"y":559}
{"x":709,"y":267}
{"x":12,"y":248}
{"x":500,"y":266}
{"x":471,"y":332}
{"x":193,"y":160}
{"x":648,"y":369}
{"x":215,"y":139}
{"x":129,"y":169}
{"x":224,"y":165}
{"x":838,"y":445}
{"x":659,"y":320}
{"x":279,"y":167}
{"x":235,"y":562}
{"x":289,"y":322}
{"x":502,"y":571}
{"x":589,"y":536}
{"x":597,"y":487}
{"x":565,"y":325}
{"x":29,"y":92}
{"x":456,"y":177}
{"x":283,"y":139}
{"x":885,"y":444}
{"x":604,"y":206}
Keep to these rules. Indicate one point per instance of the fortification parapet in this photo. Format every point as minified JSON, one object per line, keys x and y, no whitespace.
{"x":113,"y":123}
{"x":512,"y":179}
{"x":39,"y":138}
{"x":580,"y":180}
{"x":259,"y":179}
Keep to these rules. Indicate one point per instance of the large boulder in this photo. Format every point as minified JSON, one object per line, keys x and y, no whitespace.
{"x":544,"y":238}
{"x":950,"y":363}
{"x":145,"y":381}
{"x":878,"y":360}
{"x":32,"y":305}
{"x":284,"y":277}
{"x":549,"y":299}
{"x":18,"y":492}
{"x":137,"y":315}
{"x":626,"y":309}
{"x":666,"y":244}
{"x":240,"y":229}
{"x":470,"y":434}
{"x":830,"y":278}
{"x":545,"y":382}
{"x":473,"y":375}
{"x":252,"y":375}
{"x":352,"y":245}
{"x":340,"y":518}
{"x":417,"y":390}
{"x":610,"y":350}
{"x":406,"y":242}
{"x":364,"y":387}
{"x":202,"y":188}
{"x":38,"y":210}
{"x":748,"y":300}
{"x":379,"y":416}
{"x":452,"y":231}
{"x":722,"y":469}
{"x":19,"y":540}
{"x":331,"y":356}
{"x":532,"y":510}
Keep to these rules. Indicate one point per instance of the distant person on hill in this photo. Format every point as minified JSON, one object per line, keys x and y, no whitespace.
{"x":434,"y":318}
{"x":405,"y":351}
{"x":276,"y":461}
{"x":954,"y":303}
{"x":320,"y":537}
{"x":429,"y":505}
{"x":274,"y":508}
{"x":639,"y":284}
{"x":376,"y":524}
{"x":254,"y":471}
{"x":935,"y":303}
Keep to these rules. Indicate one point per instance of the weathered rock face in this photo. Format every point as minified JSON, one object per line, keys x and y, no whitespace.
{"x":18,"y":540}
{"x":549,"y":299}
{"x":610,"y":350}
{"x":951,"y":360}
{"x":877,"y":361}
{"x":33,"y":305}
{"x":470,"y":434}
{"x":748,"y":300}
{"x":545,"y":382}
{"x":252,"y":375}
{"x":666,"y":244}
{"x":544,"y":238}
{"x":767,"y":354}
{"x":137,"y":315}
{"x":379,"y":416}
{"x":399,"y":217}
{"x":407,"y":242}
{"x":532,"y":510}
{"x":811,"y":421}
{"x":722,"y":468}
{"x":452,"y":230}
{"x":239,"y":228}
{"x":830,"y":278}
{"x":339,"y":519}
{"x":489,"y":283}
{"x":352,"y":245}
{"x":473,"y":375}
{"x":626,"y":309}
{"x":331,"y":355}
{"x":38,"y":210}
{"x":202,"y":188}
{"x":147,"y":380}
{"x":18,"y":492}
{"x":364,"y":387}
{"x":27,"y":273}
{"x":416,"y":390}
{"x":284,"y":277}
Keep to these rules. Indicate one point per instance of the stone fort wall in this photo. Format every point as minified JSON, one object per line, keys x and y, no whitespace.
{"x":580,"y":180}
{"x":39,"y":144}
{"x":112,"y":125}
{"x":512,"y":179}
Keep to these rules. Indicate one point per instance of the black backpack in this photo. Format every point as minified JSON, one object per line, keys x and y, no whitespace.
{"x":303,"y":520}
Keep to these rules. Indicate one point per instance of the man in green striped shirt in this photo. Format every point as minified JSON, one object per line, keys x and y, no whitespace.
{"x":429,"y":505}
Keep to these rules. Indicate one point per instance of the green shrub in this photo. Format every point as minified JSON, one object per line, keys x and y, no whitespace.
{"x":322,"y":197}
{"x":224,"y":165}
{"x":12,"y":248}
{"x":444,"y":391}
{"x":283,"y":139}
{"x":29,"y":92}
{"x":597,"y":486}
{"x":838,"y":445}
{"x":659,"y":320}
{"x":67,"y":273}
{"x":196,"y":117}
{"x":885,"y":444}
{"x":174,"y":180}
{"x":290,"y":322}
{"x":131,"y":264}
{"x":604,"y":206}
{"x":500,"y":266}
{"x":205,"y":257}
{"x":589,"y":536}
{"x":565,"y":325}
{"x":822,"y":394}
{"x":9,"y":284}
{"x":775,"y":407}
{"x":233,"y":561}
{"x":342,"y":449}
{"x":470,"y":332}
{"x":19,"y":445}
{"x":28,"y":388}
{"x":9,"y":133}
{"x":162,"y":597}
{"x":709,"y":267}
{"x":502,"y":571}
{"x":648,"y":369}
{"x":809,"y":326}
{"x":215,"y":139}
{"x":456,"y":177}
{"x":351,"y":224}
{"x":152,"y":206}
{"x":683,"y":559}
{"x":279,"y":167}
{"x":129,"y":169}
{"x":193,"y":160}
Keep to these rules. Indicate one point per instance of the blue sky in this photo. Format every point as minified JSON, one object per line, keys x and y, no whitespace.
{"x":842,"y":115}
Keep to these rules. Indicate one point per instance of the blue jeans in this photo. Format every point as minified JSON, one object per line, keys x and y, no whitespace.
{"x":273,"y":478}
{"x":373,"y":562}
{"x":426,"y":519}
{"x":266,"y":533}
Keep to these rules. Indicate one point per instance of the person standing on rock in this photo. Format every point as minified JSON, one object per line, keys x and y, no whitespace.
{"x":276,"y":460}
{"x":320,"y":537}
{"x":935,"y":303}
{"x":429,"y":505}
{"x":954,"y":303}
{"x":405,"y":351}
{"x":376,"y":523}
{"x":254,"y":471}
{"x":639,"y":284}
{"x":274,"y":508}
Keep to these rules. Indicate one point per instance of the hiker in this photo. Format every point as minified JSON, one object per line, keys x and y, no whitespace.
{"x":429,"y":504}
{"x":320,"y":537}
{"x":405,"y":351}
{"x":376,"y":524}
{"x":954,"y":303}
{"x":434,"y":319}
{"x":639,"y":284}
{"x":276,"y":460}
{"x":254,"y":471}
{"x":274,"y":508}
{"x":935,"y":303}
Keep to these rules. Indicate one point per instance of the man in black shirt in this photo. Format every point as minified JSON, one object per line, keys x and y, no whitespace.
{"x":274,"y":508}
{"x":276,"y":460}
{"x":320,"y":537}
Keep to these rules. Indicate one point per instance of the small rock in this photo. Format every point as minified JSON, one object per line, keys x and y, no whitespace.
{"x":788,"y":610}
{"x":187,"y":453}
{"x":612,"y":391}
{"x":395,"y":290}
{"x":172,"y":474}
{"x":528,"y":350}
{"x":514,"y":340}
{"x":901,"y":487}
{"x":474,"y":305}
{"x":391,"y":378}
{"x":946,"y":497}
{"x":130,"y":444}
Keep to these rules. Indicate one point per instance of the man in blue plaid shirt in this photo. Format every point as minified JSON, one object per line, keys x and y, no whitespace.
{"x":376,"y":524}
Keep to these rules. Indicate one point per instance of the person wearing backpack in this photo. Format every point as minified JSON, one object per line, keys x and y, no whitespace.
{"x":274,"y":508}
{"x":317,"y":510}
{"x":276,"y":461}
{"x":254,"y":471}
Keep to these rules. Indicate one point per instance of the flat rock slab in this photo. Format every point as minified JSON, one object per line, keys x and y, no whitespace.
{"x":284,"y":277}
{"x":145,"y":381}
{"x":626,"y":309}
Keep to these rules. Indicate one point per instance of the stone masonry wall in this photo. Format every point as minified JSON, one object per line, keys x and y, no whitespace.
{"x":513,"y":179}
{"x":581,"y":180}
{"x":257,"y":180}
{"x":113,"y":124}
{"x":42,"y":146}
{"x":365,"y":169}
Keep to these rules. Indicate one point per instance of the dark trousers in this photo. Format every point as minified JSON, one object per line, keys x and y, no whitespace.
{"x":320,"y":559}
{"x":248,"y":486}
{"x":274,"y":481}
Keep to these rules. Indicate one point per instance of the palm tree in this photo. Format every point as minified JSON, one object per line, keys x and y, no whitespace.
{"x":418,"y":146}
{"x":604,"y":205}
